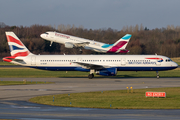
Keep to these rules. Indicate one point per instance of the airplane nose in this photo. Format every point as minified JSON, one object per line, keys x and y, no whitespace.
{"x":175,"y":65}
{"x":42,"y":35}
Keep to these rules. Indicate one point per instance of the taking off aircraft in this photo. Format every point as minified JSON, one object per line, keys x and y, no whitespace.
{"x":72,"y":41}
{"x":106,"y":65}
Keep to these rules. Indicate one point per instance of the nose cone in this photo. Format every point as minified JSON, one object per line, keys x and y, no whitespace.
{"x":175,"y":65}
{"x":42,"y":36}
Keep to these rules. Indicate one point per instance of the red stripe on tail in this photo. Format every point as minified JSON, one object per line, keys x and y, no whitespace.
{"x":23,"y":54}
{"x":120,"y":44}
{"x":12,"y":39}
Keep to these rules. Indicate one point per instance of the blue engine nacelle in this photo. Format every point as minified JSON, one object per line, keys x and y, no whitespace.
{"x":107,"y":72}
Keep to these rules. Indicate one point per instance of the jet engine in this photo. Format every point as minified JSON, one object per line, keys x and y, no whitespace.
{"x":107,"y":72}
{"x":69,"y":45}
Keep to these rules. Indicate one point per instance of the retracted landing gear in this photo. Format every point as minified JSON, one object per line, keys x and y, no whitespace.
{"x":80,"y":51}
{"x":91,"y":75}
{"x":157,"y":74}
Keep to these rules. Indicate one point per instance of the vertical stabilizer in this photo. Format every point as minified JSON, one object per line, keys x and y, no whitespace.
{"x":120,"y":45}
{"x":17,"y":48}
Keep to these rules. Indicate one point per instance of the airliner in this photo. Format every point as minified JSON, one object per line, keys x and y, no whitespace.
{"x":105,"y":65}
{"x":72,"y":41}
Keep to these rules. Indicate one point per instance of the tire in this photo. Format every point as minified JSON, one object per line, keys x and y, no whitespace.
{"x":90,"y":76}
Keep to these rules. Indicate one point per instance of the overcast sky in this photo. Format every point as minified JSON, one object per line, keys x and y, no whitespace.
{"x":92,"y":14}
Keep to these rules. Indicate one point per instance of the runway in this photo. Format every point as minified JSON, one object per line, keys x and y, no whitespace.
{"x":14,"y":105}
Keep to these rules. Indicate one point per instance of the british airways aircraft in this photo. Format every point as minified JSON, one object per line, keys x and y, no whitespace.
{"x":72,"y":41}
{"x":106,"y":65}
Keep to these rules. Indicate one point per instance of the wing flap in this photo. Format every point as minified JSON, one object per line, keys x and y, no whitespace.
{"x":91,"y":66}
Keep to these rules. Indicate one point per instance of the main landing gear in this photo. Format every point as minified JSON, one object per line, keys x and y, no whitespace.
{"x":157,"y":74}
{"x":91,"y":75}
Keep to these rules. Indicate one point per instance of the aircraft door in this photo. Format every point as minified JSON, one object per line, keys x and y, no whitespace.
{"x":123,"y":61}
{"x":33,"y":60}
{"x":79,"y":59}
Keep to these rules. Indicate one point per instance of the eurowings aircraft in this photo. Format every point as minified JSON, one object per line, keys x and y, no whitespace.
{"x":106,"y":65}
{"x":72,"y":41}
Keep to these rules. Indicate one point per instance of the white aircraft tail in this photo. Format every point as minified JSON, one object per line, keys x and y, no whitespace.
{"x":119,"y":46}
{"x":122,"y":43}
{"x":17,"y":48}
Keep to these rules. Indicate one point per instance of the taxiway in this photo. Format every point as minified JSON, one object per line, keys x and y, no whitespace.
{"x":14,"y":99}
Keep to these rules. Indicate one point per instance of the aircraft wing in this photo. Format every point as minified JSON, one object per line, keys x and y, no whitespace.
{"x":91,"y":66}
{"x":81,"y":44}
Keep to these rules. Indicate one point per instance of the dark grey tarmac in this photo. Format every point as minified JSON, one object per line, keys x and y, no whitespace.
{"x":14,"y":99}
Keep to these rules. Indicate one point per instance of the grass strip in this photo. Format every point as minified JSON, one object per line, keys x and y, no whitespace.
{"x":24,"y":82}
{"x":177,"y":60}
{"x":29,"y":72}
{"x":118,"y":99}
{"x":6,"y":63}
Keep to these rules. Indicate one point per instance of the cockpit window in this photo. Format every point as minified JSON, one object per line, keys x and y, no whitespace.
{"x":168,"y":60}
{"x":46,"y":33}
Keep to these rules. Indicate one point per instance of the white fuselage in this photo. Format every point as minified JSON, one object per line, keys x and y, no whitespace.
{"x":63,"y":39}
{"x":121,"y":62}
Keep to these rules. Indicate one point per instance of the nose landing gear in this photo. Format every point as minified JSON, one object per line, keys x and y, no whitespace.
{"x":157,"y":74}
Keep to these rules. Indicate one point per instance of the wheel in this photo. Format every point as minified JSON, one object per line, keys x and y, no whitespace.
{"x":158,"y":77}
{"x":157,"y":74}
{"x":90,"y":76}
